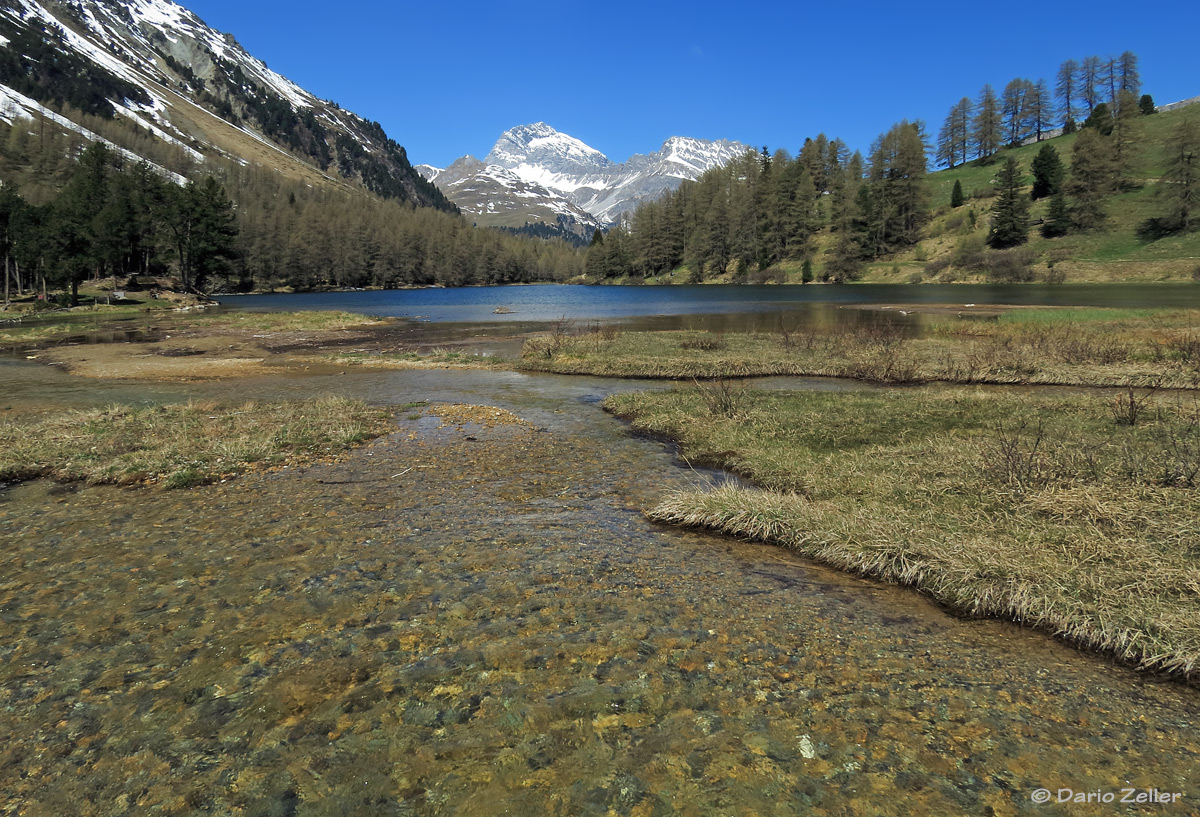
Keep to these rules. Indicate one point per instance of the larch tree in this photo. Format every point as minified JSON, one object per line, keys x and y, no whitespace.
{"x":954,"y":139}
{"x":1093,"y":171}
{"x":1127,"y":69}
{"x":1109,"y":78}
{"x":1180,"y":185}
{"x":1089,"y":82}
{"x":986,"y":126}
{"x":1067,"y":88}
{"x":1040,"y":109}
{"x":1013,"y":110}
{"x":896,"y":179}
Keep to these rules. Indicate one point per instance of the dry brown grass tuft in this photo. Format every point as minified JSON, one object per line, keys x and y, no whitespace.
{"x":913,"y":488}
{"x":179,"y":446}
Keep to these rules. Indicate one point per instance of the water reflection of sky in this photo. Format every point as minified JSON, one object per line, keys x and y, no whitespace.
{"x":552,"y":302}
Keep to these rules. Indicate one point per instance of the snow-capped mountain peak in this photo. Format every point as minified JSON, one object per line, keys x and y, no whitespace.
{"x":156,"y":64}
{"x":541,"y":155}
{"x":542,"y":146}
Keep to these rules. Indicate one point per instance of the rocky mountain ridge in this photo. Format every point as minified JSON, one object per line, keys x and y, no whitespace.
{"x":534,"y":171}
{"x":160,"y":68}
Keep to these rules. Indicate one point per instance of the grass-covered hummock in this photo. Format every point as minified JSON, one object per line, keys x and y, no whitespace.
{"x":1058,"y":346}
{"x":309,"y":321}
{"x":35,"y":329}
{"x":1052,"y":511}
{"x":179,"y":446}
{"x":438,"y":358}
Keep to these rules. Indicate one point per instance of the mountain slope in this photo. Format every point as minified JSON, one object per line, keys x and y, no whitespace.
{"x":156,"y":66}
{"x":537,"y":174}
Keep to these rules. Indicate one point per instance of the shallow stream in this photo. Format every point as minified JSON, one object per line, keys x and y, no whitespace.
{"x":477,"y":620}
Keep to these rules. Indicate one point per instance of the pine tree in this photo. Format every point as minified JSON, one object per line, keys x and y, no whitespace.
{"x":1010,"y":213}
{"x":203,"y":226}
{"x":1048,"y":173}
{"x":79,"y":215}
{"x":1100,"y":119}
{"x":11,"y":205}
{"x":956,"y":195}
{"x":1058,"y":218}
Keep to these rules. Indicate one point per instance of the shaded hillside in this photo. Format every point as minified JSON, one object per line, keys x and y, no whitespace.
{"x":157,"y":68}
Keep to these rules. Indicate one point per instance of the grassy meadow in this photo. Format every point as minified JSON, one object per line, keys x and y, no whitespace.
{"x":1051,"y":510}
{"x":1060,"y":346}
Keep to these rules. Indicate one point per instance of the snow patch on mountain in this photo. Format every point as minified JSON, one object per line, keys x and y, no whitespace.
{"x":15,"y":107}
{"x":196,"y":88}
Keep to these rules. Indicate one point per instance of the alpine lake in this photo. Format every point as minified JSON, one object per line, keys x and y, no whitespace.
{"x":471,"y":616}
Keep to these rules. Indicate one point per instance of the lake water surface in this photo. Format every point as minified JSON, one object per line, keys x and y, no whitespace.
{"x":552,"y":302}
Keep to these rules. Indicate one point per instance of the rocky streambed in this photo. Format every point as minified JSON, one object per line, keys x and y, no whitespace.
{"x":471,"y":616}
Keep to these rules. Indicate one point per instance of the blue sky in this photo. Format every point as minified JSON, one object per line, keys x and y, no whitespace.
{"x":446,"y":79}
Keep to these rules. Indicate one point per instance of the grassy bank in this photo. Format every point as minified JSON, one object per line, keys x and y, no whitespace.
{"x":48,"y":327}
{"x":183,"y":445}
{"x":1100,"y":347}
{"x":1052,"y":511}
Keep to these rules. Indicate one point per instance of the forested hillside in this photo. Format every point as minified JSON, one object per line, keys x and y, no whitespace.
{"x":156,"y":64}
{"x":63,"y":221}
{"x":1109,"y":197}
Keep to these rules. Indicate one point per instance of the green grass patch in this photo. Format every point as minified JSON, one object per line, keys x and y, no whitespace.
{"x":39,"y":328}
{"x":1042,"y":509}
{"x":316,"y":320}
{"x":418,"y":360}
{"x":179,"y":446}
{"x":1058,"y":316}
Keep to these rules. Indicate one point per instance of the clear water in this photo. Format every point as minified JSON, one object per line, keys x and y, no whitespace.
{"x":552,"y":302}
{"x":479,"y":620}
